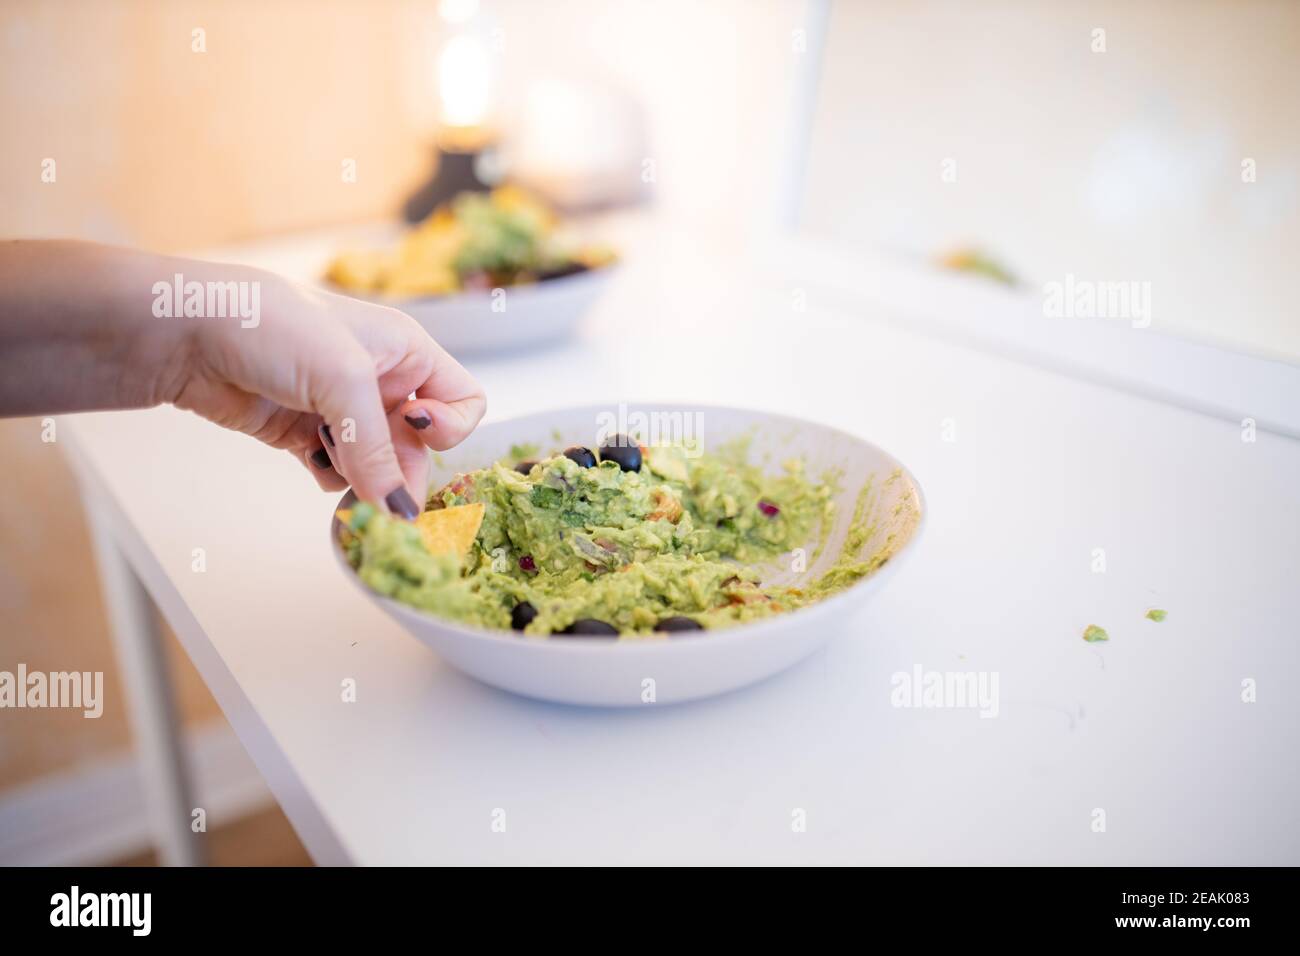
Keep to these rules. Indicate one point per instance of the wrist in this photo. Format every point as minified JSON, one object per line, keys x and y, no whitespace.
{"x":78,"y":333}
{"x":149,"y":342}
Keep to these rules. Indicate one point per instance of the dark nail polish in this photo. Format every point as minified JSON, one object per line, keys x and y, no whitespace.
{"x":320,"y":458}
{"x":325,"y":434}
{"x":402,"y":504}
{"x":419,"y":420}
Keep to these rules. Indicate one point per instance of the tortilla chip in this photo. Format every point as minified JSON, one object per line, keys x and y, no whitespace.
{"x":451,"y":530}
{"x":364,"y":271}
{"x":345,"y":521}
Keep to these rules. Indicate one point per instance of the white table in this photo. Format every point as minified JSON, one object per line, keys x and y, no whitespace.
{"x":1150,"y":727}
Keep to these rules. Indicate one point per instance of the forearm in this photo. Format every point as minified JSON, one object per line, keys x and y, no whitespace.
{"x":78,"y":332}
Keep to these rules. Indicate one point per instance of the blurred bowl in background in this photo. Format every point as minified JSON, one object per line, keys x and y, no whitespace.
{"x":482,"y":272}
{"x":503,"y":319}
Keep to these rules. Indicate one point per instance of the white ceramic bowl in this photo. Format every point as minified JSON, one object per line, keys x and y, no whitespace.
{"x":576,"y":670}
{"x":534,"y":314}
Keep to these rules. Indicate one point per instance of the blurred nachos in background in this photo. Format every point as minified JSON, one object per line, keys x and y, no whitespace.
{"x":478,"y":241}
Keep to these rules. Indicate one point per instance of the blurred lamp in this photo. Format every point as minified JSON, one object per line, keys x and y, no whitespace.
{"x":580,"y":143}
{"x":464,"y":150}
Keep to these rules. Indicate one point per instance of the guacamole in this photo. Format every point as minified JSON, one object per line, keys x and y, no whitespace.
{"x":631,"y":542}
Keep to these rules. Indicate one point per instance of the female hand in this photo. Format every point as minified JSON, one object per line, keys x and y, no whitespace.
{"x":325,"y":377}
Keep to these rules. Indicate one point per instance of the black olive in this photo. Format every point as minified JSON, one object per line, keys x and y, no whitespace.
{"x":673,"y":624}
{"x":522,"y":615}
{"x":590,"y":627}
{"x":623,"y":451}
{"x":580,"y":456}
{"x":524,"y":467}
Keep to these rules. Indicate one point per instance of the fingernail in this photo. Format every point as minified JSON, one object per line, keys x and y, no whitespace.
{"x":326,"y":436}
{"x":401,"y":503}
{"x":420,"y":420}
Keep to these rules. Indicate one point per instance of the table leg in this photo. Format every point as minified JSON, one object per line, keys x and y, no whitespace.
{"x":138,"y":641}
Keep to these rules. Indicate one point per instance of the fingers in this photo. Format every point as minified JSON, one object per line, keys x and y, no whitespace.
{"x":448,"y":401}
{"x":410,"y":361}
{"x":448,"y":404}
{"x":346,"y":394}
{"x":349,"y":364}
{"x":442,"y":425}
{"x":453,"y":399}
{"x":299,"y":434}
{"x":322,"y":469}
{"x":412,"y":455}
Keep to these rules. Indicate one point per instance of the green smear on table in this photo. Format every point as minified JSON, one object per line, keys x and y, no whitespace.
{"x":1092,"y":634}
{"x":1156,"y":614}
{"x":978,"y":262}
